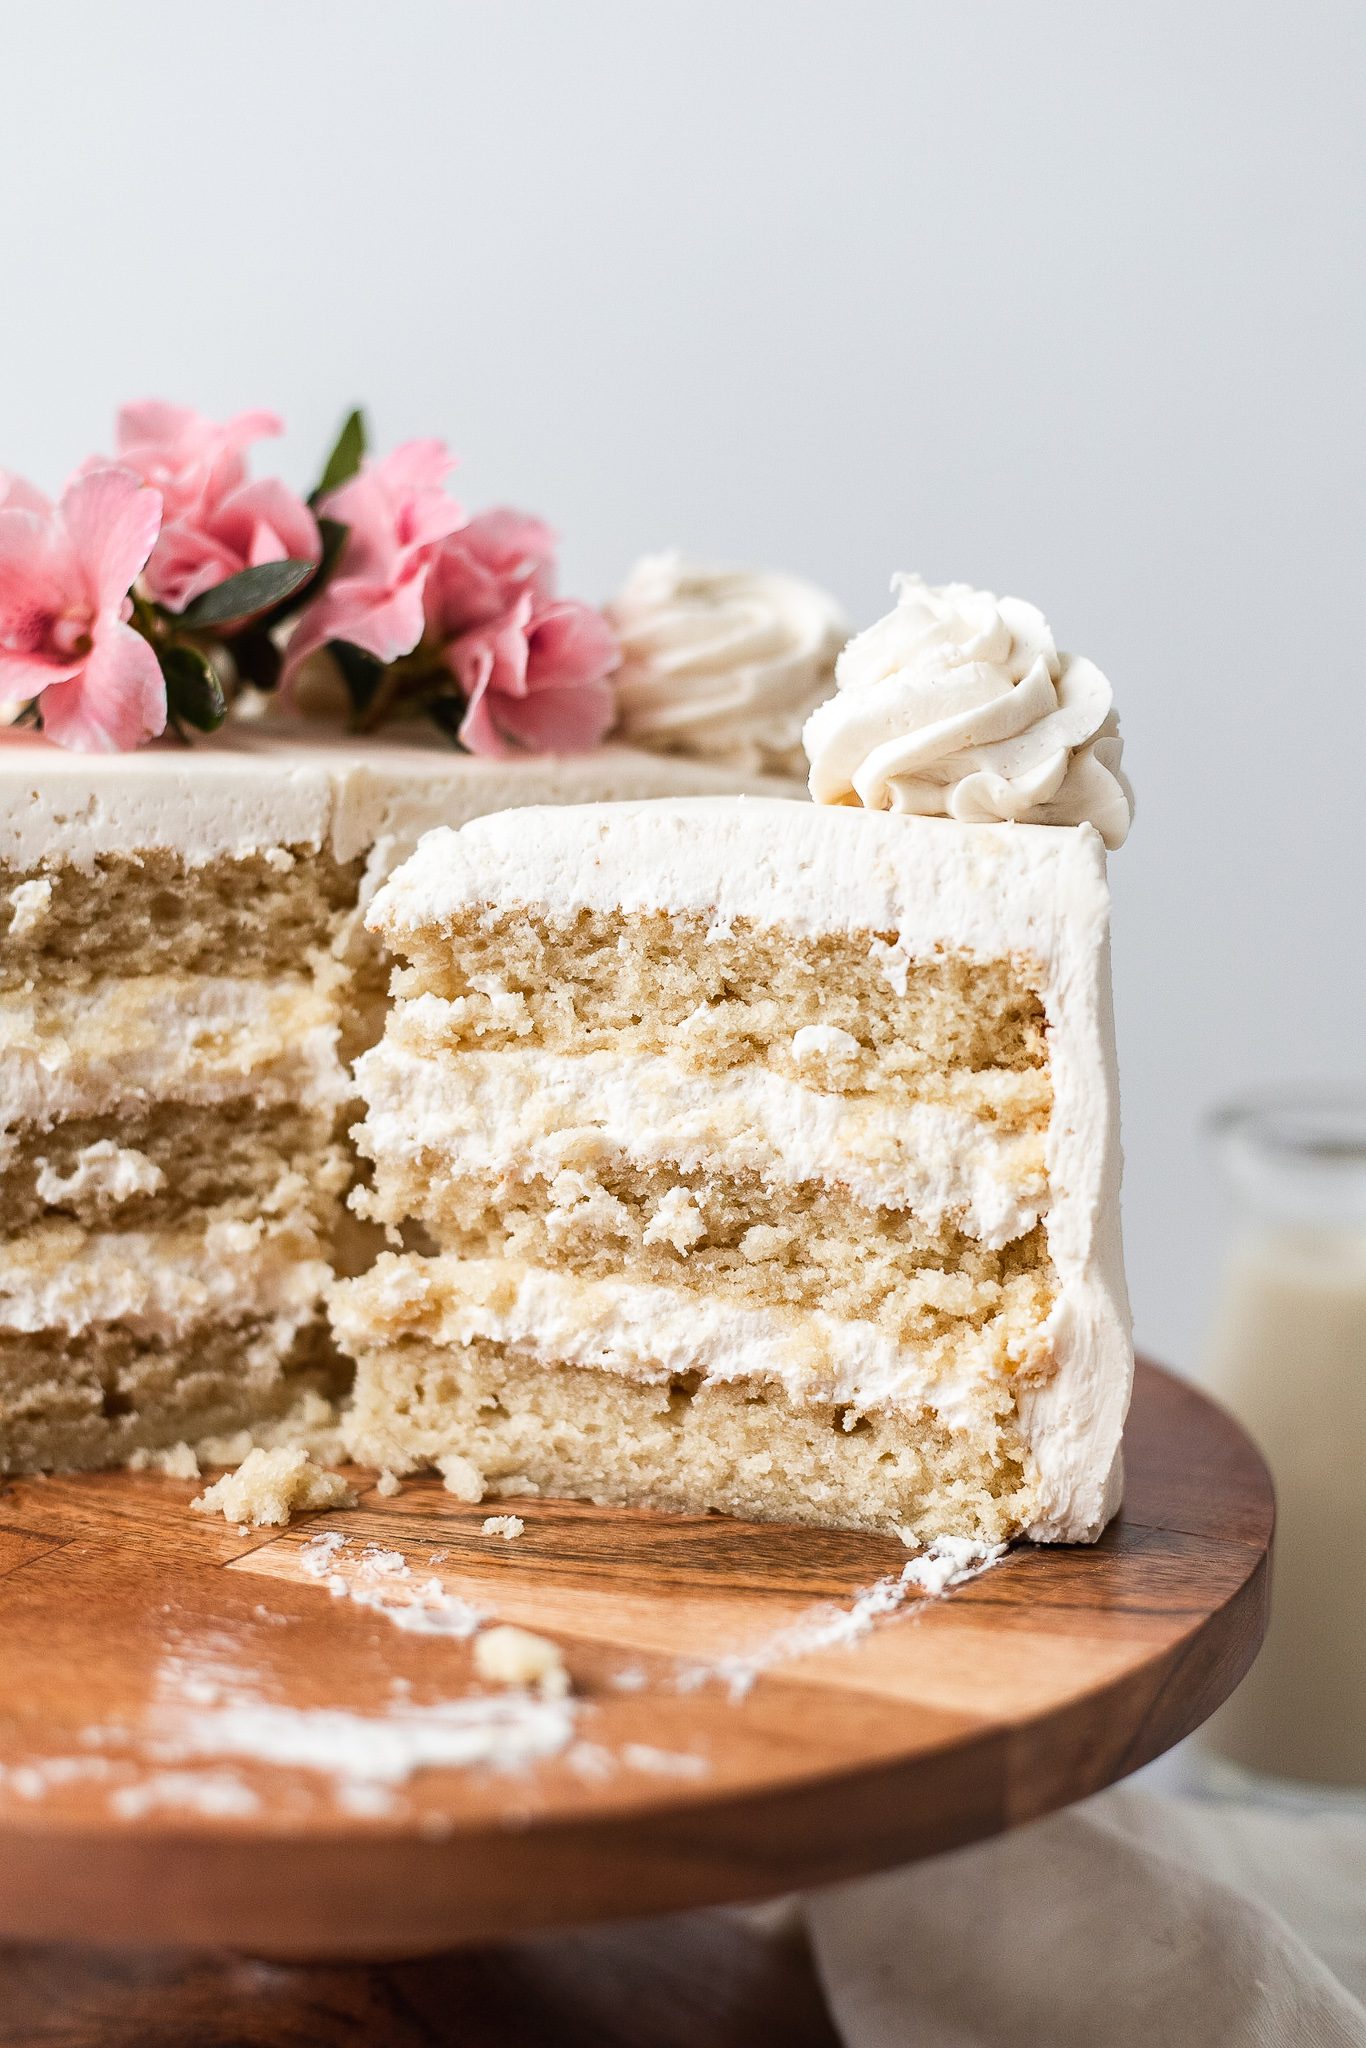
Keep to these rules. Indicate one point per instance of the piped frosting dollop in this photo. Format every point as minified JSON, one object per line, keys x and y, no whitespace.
{"x":724,"y":664}
{"x":958,"y":704}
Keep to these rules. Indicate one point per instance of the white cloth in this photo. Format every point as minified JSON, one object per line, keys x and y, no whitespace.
{"x":1133,"y":1921}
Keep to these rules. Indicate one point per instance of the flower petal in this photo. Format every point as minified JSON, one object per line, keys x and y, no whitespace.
{"x":116,"y":702}
{"x":18,"y":495}
{"x":153,"y":419}
{"x":569,"y":643}
{"x":383,"y":622}
{"x":112,"y":521}
{"x":558,"y":721}
{"x":38,"y":581}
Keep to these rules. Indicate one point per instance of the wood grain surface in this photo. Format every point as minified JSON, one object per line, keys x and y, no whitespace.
{"x":1047,"y":1678}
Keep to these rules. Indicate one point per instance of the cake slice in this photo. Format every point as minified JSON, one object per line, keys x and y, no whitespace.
{"x":765,"y":1157}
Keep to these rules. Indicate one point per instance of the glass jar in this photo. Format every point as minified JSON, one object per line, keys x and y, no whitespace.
{"x":1288,"y":1356}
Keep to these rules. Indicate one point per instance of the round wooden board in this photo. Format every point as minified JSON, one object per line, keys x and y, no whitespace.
{"x":1037,"y":1683}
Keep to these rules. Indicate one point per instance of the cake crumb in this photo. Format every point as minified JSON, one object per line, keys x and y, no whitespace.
{"x":30,"y":903}
{"x":388,"y":1485}
{"x":506,"y":1526}
{"x":677,"y":1221}
{"x":514,"y":1656}
{"x":173,"y":1461}
{"x":268,"y":1486}
{"x":461,"y":1476}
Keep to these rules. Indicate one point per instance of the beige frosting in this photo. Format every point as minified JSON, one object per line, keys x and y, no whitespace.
{"x":284,"y":782}
{"x":724,"y":664}
{"x":958,"y":704}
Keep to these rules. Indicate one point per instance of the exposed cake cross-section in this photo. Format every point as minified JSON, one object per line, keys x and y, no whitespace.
{"x":769,"y":1155}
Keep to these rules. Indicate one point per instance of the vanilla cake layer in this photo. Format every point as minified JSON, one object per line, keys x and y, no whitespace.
{"x":184,"y":977}
{"x":858,"y":1068}
{"x":733,"y":1234}
{"x":740,"y":1447}
{"x":98,"y":1396}
{"x":167,"y":1161}
{"x":157,"y":912}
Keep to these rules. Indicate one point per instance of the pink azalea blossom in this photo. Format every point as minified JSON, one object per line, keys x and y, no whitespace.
{"x":17,"y":494}
{"x":398,"y":513}
{"x":537,"y":680}
{"x":192,"y":461}
{"x":215,"y":522}
{"x":65,"y":574}
{"x":260,"y":522}
{"x":483,"y":567}
{"x":533,"y":668}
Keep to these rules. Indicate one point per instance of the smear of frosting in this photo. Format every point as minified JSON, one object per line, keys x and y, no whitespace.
{"x":958,"y":704}
{"x":724,"y":664}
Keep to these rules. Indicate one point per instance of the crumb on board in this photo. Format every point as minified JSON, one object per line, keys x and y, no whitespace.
{"x":514,"y":1656}
{"x":462,"y":1477}
{"x":173,"y":1461}
{"x":388,"y":1485}
{"x":506,"y":1526}
{"x":268,"y":1486}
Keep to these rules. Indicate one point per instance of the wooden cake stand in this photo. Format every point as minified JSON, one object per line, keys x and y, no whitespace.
{"x":1044,"y":1680}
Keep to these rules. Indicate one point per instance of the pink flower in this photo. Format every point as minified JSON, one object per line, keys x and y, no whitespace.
{"x":536,"y":679}
{"x":260,"y":522}
{"x":18,"y":495}
{"x":190,"y":460}
{"x":533,"y":668}
{"x":65,"y":574}
{"x":215,"y":522}
{"x":483,"y":567}
{"x":398,"y":514}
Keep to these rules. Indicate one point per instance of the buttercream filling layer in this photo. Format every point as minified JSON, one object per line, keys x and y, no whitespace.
{"x":653,"y":1333}
{"x":175,"y":1038}
{"x":538,"y":1113}
{"x":161,"y":1283}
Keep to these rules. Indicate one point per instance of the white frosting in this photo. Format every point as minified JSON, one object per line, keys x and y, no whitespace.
{"x":199,"y":1038}
{"x":252,"y":788}
{"x":990,"y":890}
{"x":542,"y":1112}
{"x":655,"y":1333}
{"x":160,"y":1283}
{"x":104,"y":1171}
{"x":824,"y":1042}
{"x":724,"y":664}
{"x":958,"y":704}
{"x":29,"y":904}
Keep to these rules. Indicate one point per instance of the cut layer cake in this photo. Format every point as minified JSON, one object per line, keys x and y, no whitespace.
{"x":769,"y":1152}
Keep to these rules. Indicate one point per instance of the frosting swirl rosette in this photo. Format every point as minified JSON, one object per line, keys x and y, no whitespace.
{"x":722,"y":663}
{"x":958,"y":704}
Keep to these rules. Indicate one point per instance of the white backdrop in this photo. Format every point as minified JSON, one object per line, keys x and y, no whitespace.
{"x":1064,"y":299}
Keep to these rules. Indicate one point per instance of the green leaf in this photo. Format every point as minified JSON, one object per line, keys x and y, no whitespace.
{"x":193,"y":691}
{"x":446,"y":714}
{"x":256,"y":657}
{"x":345,"y":459}
{"x":247,"y":594}
{"x":360,"y":672}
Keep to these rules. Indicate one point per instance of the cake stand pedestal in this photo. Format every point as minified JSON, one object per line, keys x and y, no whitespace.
{"x":1042,"y":1681}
